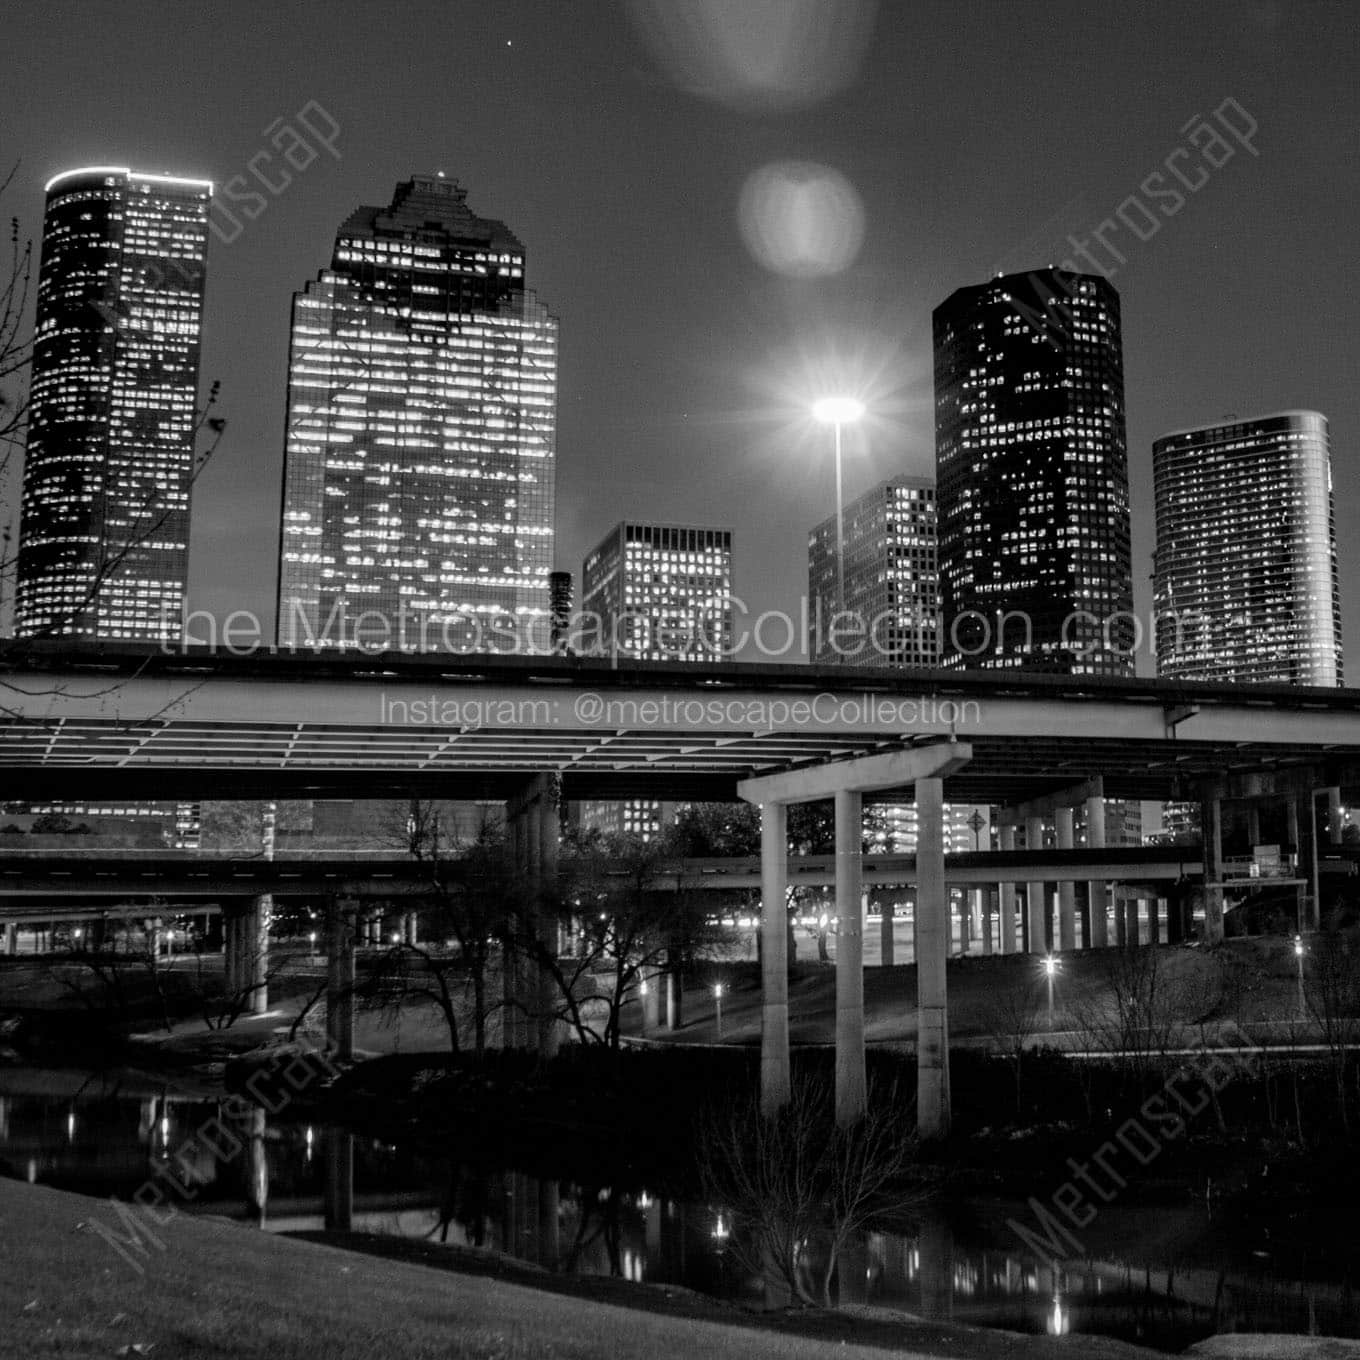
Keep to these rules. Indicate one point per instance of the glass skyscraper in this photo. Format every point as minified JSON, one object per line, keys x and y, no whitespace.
{"x":104,"y":528}
{"x":418,"y":491}
{"x":1032,"y":476}
{"x":891,"y":578}
{"x":1245,"y":574}
{"x":655,"y":592}
{"x":659,"y":592}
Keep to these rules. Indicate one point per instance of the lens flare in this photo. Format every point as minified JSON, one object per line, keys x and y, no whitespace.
{"x":801,"y":219}
{"x":759,"y":55}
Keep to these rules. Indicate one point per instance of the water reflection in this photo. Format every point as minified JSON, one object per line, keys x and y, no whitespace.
{"x":111,"y":1137}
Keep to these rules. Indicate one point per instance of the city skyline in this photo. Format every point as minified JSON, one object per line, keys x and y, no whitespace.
{"x":716,"y":392}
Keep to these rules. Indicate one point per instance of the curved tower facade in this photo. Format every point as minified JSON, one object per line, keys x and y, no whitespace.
{"x":1032,"y":483}
{"x":1244,"y":571}
{"x":104,"y":527}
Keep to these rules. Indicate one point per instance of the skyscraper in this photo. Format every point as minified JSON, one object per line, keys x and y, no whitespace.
{"x":1032,"y":476}
{"x":891,"y":578}
{"x":656,"y":592}
{"x":1244,"y":571}
{"x":660,"y":592}
{"x":104,"y":527}
{"x":418,"y":490}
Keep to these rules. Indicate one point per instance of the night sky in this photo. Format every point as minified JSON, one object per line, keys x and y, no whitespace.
{"x":976,"y":136}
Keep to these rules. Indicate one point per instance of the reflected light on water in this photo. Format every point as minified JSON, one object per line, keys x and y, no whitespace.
{"x":757,"y":55}
{"x":801,"y":219}
{"x":1059,"y":1320}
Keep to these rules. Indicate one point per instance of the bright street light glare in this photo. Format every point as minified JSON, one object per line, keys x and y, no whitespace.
{"x":837,"y":410}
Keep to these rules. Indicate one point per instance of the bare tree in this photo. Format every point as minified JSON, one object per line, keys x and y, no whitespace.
{"x":1012,"y":1018}
{"x":631,"y":924}
{"x":1332,"y":995}
{"x":798,"y":1187}
{"x":1134,"y":1015}
{"x":472,"y":891}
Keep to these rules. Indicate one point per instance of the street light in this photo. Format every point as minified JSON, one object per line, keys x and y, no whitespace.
{"x":838,"y":412}
{"x":717,"y":1002}
{"x":1050,"y":971}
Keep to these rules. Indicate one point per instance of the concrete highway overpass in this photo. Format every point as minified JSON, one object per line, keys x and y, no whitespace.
{"x":529,"y":730}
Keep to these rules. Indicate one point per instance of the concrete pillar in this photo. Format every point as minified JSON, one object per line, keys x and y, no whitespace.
{"x":1253,"y":825}
{"x":674,"y":997}
{"x":1096,"y":889}
{"x":11,"y":938}
{"x":653,"y":984}
{"x":1308,"y":859}
{"x":338,"y":1151}
{"x":1211,"y":827}
{"x":885,"y":930}
{"x":1067,"y":895}
{"x":1121,"y":924}
{"x":1005,"y":895}
{"x":774,"y":961}
{"x":850,"y":1075}
{"x":1336,"y":822}
{"x":932,"y":953}
{"x":513,"y":1030}
{"x":1036,"y":910}
{"x":341,"y":929}
{"x":965,"y":920}
{"x":1132,"y":934}
{"x":257,"y":943}
{"x":232,"y":981}
{"x":984,"y":910}
{"x":412,"y":928}
{"x":546,"y":816}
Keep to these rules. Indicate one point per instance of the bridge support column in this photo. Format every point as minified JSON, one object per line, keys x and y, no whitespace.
{"x":1036,"y":909}
{"x":885,"y":930}
{"x":850,"y":1078}
{"x":1005,"y":898}
{"x":338,"y":1201}
{"x":549,"y":818}
{"x":412,"y":928}
{"x":1211,"y":831}
{"x":965,"y":919}
{"x":11,"y":938}
{"x":256,"y":922}
{"x":774,"y":966}
{"x":651,"y":1001}
{"x":1336,"y":821}
{"x":1067,"y":893}
{"x":984,"y":899}
{"x":342,"y":926}
{"x":1098,"y":937}
{"x":932,"y":953}
{"x":1253,"y":825}
{"x":1132,"y":931}
{"x":925,"y":766}
{"x":1306,"y":815}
